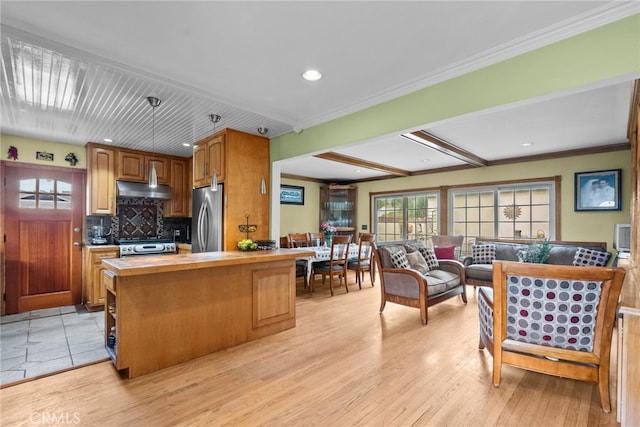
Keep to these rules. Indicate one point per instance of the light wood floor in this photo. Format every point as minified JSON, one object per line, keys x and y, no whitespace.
{"x":344,"y":364}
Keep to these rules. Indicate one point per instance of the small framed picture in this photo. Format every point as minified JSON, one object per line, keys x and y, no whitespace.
{"x":43,"y":155}
{"x":291,"y":195}
{"x":598,"y":190}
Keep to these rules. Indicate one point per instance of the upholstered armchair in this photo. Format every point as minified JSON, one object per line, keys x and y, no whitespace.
{"x":551,"y":319}
{"x":411,"y":275}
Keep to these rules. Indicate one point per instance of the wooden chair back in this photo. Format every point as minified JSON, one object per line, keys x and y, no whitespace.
{"x":338,"y":259}
{"x":298,"y":240}
{"x":364,"y":260}
{"x":555,"y":319}
{"x":315,"y":239}
{"x":284,"y":242}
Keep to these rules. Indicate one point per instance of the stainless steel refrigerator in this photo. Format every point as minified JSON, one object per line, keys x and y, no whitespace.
{"x":206,"y":223}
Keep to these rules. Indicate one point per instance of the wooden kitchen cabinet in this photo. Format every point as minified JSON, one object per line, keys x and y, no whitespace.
{"x":242,"y":162}
{"x":176,"y":308}
{"x":183,"y":248}
{"x":93,"y":288}
{"x":180,"y":204}
{"x":209,"y":156}
{"x":101,"y":182}
{"x":135,"y":166}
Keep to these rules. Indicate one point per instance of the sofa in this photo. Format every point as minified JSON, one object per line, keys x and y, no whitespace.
{"x":479,"y":269}
{"x":411,"y":275}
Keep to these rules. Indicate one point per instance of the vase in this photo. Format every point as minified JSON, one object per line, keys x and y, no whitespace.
{"x":327,"y":239}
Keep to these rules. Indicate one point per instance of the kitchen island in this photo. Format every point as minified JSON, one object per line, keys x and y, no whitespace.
{"x":168,"y":309}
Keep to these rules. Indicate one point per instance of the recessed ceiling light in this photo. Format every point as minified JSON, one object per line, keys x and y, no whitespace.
{"x":356,"y":170}
{"x":186,"y":144}
{"x":312,"y":75}
{"x":527,"y":144}
{"x":108,"y":140}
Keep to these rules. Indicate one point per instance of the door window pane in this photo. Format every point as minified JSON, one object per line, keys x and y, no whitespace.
{"x":27,"y":185}
{"x":44,"y":193}
{"x":47,"y":185}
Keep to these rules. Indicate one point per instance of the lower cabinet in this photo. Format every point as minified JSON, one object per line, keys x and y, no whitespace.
{"x":183,"y":248}
{"x":93,"y":288}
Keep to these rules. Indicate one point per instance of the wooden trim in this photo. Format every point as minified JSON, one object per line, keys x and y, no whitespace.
{"x":341,"y":158}
{"x":447,"y":148}
{"x":632,"y":125}
{"x":524,"y":159}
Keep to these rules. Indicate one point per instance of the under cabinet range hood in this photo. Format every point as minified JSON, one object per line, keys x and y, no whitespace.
{"x":139,"y":190}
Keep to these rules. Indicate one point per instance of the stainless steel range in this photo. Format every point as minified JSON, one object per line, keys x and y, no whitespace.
{"x":138,"y":247}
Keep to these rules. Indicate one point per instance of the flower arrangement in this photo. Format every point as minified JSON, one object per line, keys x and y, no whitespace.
{"x":536,"y":253}
{"x":328,"y":228}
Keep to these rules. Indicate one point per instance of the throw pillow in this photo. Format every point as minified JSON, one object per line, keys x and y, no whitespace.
{"x":418,"y":263}
{"x":483,"y":253}
{"x":399,"y":260}
{"x":445,"y":253}
{"x":431,"y":258}
{"x":427,"y":253}
{"x":591,"y":258}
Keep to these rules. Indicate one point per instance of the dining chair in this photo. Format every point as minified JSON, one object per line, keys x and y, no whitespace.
{"x":337,"y":265}
{"x":315,"y":239}
{"x":284,"y":242}
{"x":299,"y":240}
{"x":364,"y":261}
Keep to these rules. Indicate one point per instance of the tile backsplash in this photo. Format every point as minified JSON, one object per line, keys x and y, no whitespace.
{"x":140,"y":219}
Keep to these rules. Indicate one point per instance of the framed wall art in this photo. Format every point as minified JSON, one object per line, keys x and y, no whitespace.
{"x":291,"y":195}
{"x":598,"y":190}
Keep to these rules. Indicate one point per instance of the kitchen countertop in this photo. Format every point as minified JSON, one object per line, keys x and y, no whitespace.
{"x":135,"y":266}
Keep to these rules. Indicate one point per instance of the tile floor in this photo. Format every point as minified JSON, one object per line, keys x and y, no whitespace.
{"x":44,"y":341}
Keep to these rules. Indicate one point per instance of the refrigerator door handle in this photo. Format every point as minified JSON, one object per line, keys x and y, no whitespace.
{"x":201,"y":220}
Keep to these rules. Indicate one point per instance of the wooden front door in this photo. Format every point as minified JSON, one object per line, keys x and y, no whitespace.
{"x":43,"y":228}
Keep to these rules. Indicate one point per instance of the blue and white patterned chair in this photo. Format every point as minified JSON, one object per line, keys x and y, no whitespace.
{"x":551,"y":319}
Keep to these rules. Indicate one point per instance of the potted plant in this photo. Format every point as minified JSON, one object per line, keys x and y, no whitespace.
{"x":536,"y":253}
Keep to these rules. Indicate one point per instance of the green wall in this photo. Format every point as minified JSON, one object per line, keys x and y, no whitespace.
{"x":28,"y":147}
{"x":575,"y":226}
{"x":301,"y":219}
{"x":611,"y":52}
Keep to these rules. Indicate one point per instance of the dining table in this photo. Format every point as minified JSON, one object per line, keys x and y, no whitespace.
{"x":322,"y":253}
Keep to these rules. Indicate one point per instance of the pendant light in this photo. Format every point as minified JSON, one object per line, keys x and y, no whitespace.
{"x":215,"y":118}
{"x":153,"y":175}
{"x":263,"y":187}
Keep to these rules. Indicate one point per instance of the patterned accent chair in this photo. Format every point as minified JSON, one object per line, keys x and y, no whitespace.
{"x":410,"y":274}
{"x":552,"y":319}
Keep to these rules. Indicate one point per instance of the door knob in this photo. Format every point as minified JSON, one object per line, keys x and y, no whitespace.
{"x":77,"y":243}
{"x":77,"y":229}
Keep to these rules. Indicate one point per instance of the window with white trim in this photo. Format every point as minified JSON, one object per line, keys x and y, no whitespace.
{"x":400,"y":216}
{"x":510,"y":211}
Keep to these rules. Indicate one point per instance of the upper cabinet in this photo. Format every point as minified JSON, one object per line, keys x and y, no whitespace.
{"x":101,"y":181}
{"x":208,"y":157}
{"x":135,"y":166}
{"x":180,"y":204}
{"x":338,"y":206}
{"x":240,"y":161}
{"x":106,"y":164}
